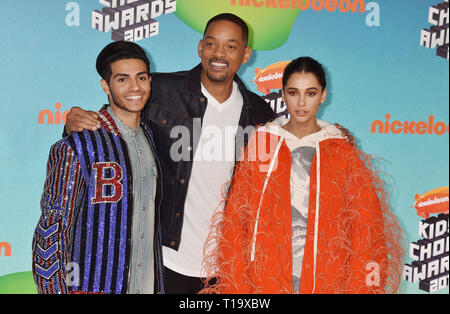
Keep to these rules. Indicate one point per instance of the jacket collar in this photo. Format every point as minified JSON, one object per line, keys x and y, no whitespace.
{"x":193,"y":84}
{"x":193,"y":80}
{"x":110,"y":125}
{"x":107,"y":121}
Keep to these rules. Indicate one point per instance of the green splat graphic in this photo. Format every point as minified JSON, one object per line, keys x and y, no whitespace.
{"x":269,"y":27}
{"x":18,"y":283}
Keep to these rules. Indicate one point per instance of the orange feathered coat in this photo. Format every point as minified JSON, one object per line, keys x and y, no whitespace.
{"x":353,"y":242}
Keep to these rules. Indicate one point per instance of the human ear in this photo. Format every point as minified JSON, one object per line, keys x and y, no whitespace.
{"x":105,"y":87}
{"x":200,"y":48}
{"x":324,"y":96}
{"x":247,"y":54}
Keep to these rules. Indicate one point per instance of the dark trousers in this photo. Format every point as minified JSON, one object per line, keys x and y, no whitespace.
{"x":176,"y":283}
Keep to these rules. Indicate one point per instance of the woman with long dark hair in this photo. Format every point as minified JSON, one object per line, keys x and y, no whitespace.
{"x":305,"y":212}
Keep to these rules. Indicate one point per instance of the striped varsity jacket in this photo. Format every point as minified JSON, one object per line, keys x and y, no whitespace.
{"x":82,"y":243}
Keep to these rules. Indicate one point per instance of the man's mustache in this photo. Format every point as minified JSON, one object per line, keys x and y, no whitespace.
{"x":219,"y":60}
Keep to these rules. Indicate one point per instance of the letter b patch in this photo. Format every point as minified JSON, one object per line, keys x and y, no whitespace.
{"x":108,"y":185}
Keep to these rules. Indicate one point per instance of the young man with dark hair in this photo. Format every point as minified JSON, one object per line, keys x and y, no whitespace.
{"x":99,"y":231}
{"x":209,"y":97}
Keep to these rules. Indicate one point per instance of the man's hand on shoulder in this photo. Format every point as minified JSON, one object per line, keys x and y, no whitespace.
{"x":347,"y":134}
{"x":79,"y":119}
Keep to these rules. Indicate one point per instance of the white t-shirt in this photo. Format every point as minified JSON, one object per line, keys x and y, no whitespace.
{"x":212,"y":168}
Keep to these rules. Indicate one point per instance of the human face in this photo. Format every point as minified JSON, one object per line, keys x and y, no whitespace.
{"x":222,"y":51}
{"x":128,"y":88}
{"x":303,"y":95}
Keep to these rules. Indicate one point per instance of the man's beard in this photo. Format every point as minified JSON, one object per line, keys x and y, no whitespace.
{"x":217,"y":79}
{"x":119,"y":104}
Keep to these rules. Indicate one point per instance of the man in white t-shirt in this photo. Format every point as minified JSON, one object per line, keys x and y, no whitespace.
{"x":213,"y":165}
{"x":222,"y":51}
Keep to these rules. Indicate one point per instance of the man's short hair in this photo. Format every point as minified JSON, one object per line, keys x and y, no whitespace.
{"x":231,"y":18}
{"x":116,"y":51}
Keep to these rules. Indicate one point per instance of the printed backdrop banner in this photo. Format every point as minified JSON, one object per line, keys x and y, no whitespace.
{"x":388,"y":72}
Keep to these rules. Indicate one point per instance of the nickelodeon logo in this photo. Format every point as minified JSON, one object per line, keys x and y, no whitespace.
{"x":432,"y":202}
{"x":270,"y":77}
{"x":5,"y":249}
{"x":52,"y":117}
{"x":409,"y":127}
{"x":316,"y":5}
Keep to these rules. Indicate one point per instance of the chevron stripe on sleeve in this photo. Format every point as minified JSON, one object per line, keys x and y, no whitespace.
{"x":63,"y":189}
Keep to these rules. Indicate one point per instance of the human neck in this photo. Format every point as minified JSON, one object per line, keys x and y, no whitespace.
{"x":130,"y":119}
{"x":221,"y":91}
{"x":301,"y":130}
